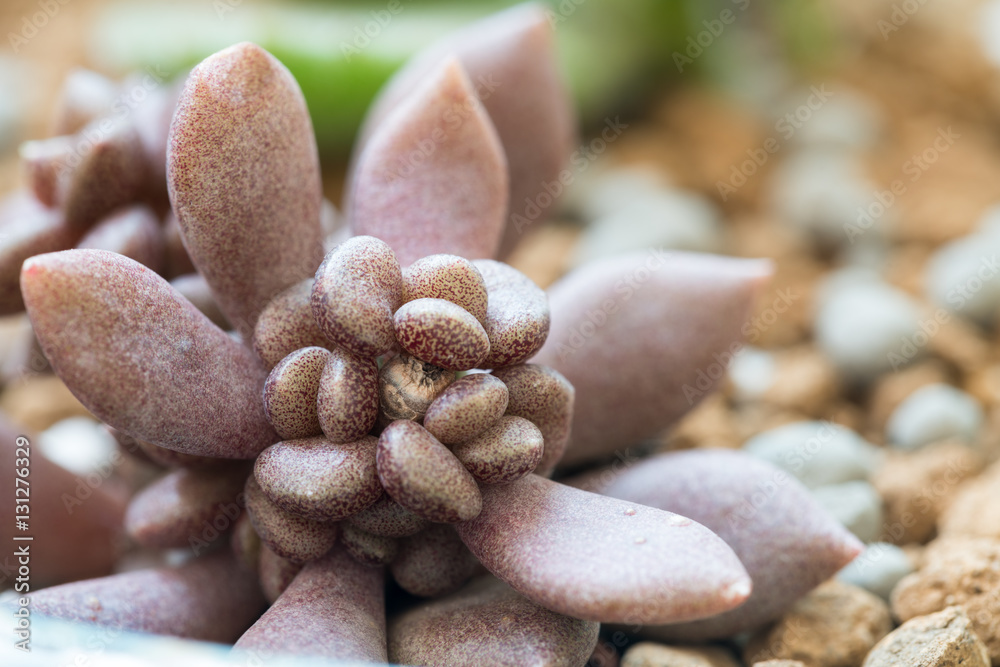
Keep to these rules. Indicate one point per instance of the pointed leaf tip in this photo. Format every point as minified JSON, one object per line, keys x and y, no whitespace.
{"x":243,"y":177}
{"x":433,"y":177}
{"x":580,"y":555}
{"x":661,"y":321}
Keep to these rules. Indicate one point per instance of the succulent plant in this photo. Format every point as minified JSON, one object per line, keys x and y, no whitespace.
{"x":406,"y":400}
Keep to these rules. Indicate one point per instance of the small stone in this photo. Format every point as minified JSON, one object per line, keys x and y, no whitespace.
{"x":648,"y":654}
{"x":517,"y":316}
{"x":891,"y":389}
{"x":956,"y":266}
{"x":944,"y":639}
{"x":348,"y":398}
{"x":973,"y":510}
{"x":173,"y":511}
{"x":466,"y":408}
{"x":507,"y":451}
{"x":545,"y":398}
{"x":957,"y":571}
{"x":916,"y":488}
{"x":276,"y":573}
{"x":292,"y":537}
{"x":862,"y":325}
{"x":78,"y":444}
{"x":423,"y":476}
{"x":320,"y":480}
{"x":834,"y":626}
{"x":358,"y":288}
{"x":433,"y":562}
{"x":441,"y":333}
{"x":408,"y":386}
{"x":817,"y":453}
{"x":448,"y":277}
{"x":878,"y":569}
{"x":487,"y":623}
{"x":934,"y":412}
{"x":780,"y":663}
{"x":856,"y":505}
{"x":334,"y":608}
{"x":804,"y":380}
{"x":287,"y":324}
{"x":368,"y":548}
{"x":388,"y":518}
{"x":290,"y":393}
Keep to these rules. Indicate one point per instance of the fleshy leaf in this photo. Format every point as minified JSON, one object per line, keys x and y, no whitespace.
{"x":510,"y":58}
{"x":488,"y":623}
{"x":243,"y":177}
{"x":642,"y":338}
{"x":209,"y":598}
{"x":333,"y":608}
{"x":433,"y":177}
{"x":142,"y":359}
{"x":134,"y":232}
{"x":601,"y":559}
{"x":788,"y":543}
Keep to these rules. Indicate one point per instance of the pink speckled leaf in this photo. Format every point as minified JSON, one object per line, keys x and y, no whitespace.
{"x":600,"y":559}
{"x":433,"y":177}
{"x":510,"y":58}
{"x":26,"y":228}
{"x":243,"y":177}
{"x":334,"y":608}
{"x":134,"y":232}
{"x":142,"y":358}
{"x":488,"y":623}
{"x":210,"y":598}
{"x":788,"y":543}
{"x":636,"y":334}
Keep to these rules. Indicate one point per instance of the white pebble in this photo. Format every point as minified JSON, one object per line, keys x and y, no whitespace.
{"x":751,"y":373}
{"x":664,"y":219}
{"x":934,"y":412}
{"x":963,"y":276}
{"x":602,"y":193}
{"x":78,"y":444}
{"x":877,"y":569}
{"x":866,"y":327}
{"x":817,"y":453}
{"x":856,"y":505}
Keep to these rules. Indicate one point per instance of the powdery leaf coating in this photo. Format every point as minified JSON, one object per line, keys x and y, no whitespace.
{"x":441,"y":333}
{"x":423,"y":476}
{"x":245,"y":544}
{"x":348,"y":398}
{"x":290,"y":393}
{"x":287,"y":324}
{"x":488,"y":623}
{"x":367,"y":548}
{"x":517,"y":317}
{"x":320,"y":480}
{"x":546,"y":399}
{"x":243,"y":178}
{"x":509,"y":450}
{"x":388,"y":519}
{"x":601,"y":559}
{"x":185,"y":507}
{"x":209,"y":598}
{"x":634,"y":372}
{"x":943,"y":639}
{"x":290,"y":536}
{"x":465,"y":409}
{"x":788,"y":543}
{"x":141,"y":358}
{"x":511,"y":56}
{"x":134,"y":232}
{"x":334,"y":608}
{"x":433,"y":176}
{"x":447,"y":277}
{"x":408,"y":386}
{"x":27,"y":229}
{"x":433,"y":562}
{"x":276,"y":574}
{"x":358,"y":287}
